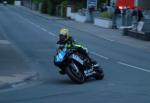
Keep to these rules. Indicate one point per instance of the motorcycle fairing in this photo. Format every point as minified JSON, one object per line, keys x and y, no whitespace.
{"x":60,"y":56}
{"x":77,"y":58}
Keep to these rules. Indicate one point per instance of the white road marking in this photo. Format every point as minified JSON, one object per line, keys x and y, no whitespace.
{"x":4,"y":42}
{"x":38,"y":26}
{"x":135,"y":67}
{"x":44,"y":29}
{"x":101,"y":56}
{"x":107,"y":39}
{"x":32,"y":23}
{"x":52,"y":34}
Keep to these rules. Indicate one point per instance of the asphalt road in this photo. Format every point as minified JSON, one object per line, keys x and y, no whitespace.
{"x":127,"y":69}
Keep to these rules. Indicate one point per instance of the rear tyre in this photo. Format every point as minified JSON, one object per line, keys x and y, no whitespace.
{"x":75,"y":74}
{"x":99,"y":74}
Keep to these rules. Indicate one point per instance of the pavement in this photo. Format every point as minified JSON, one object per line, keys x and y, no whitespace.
{"x":14,"y":68}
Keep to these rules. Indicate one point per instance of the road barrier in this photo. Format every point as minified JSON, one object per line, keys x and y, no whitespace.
{"x":137,"y":35}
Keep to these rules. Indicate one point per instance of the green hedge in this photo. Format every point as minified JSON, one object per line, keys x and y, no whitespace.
{"x":49,"y":6}
{"x":36,"y":1}
{"x":107,"y":15}
{"x":44,"y":8}
{"x":10,"y":1}
{"x":64,"y":3}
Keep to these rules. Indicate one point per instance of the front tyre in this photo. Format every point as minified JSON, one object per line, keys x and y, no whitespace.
{"x":75,"y":74}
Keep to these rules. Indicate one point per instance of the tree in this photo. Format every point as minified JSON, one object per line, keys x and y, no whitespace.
{"x":49,"y":6}
{"x":44,"y":8}
{"x":100,"y":2}
{"x":10,"y":1}
{"x":78,"y":4}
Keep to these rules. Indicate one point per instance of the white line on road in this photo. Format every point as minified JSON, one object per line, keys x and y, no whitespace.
{"x":52,"y":34}
{"x":44,"y":29}
{"x":135,"y":67}
{"x":31,"y":23}
{"x":107,"y":39}
{"x":38,"y":26}
{"x":101,"y":56}
{"x":4,"y":42}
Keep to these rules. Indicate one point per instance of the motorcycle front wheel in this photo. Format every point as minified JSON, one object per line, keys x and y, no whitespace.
{"x":75,"y":74}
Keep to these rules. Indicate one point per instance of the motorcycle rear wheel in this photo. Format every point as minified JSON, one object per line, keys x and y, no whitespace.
{"x":99,"y":74}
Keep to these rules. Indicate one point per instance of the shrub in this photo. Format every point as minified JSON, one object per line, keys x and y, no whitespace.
{"x":107,"y":15}
{"x":64,"y":3}
{"x":36,"y":1}
{"x":50,"y":7}
{"x":44,"y":6}
{"x":10,"y":1}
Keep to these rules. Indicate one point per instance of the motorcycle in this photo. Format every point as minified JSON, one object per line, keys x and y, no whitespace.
{"x":76,"y":66}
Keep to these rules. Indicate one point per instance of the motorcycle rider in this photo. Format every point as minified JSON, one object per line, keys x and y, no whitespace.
{"x":66,"y":40}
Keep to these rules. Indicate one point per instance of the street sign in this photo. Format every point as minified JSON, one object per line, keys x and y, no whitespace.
{"x":91,"y":3}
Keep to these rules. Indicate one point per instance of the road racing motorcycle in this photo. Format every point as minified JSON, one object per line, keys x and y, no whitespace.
{"x":76,"y":66}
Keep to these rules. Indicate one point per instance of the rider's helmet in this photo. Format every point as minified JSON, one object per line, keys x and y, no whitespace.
{"x":64,"y":35}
